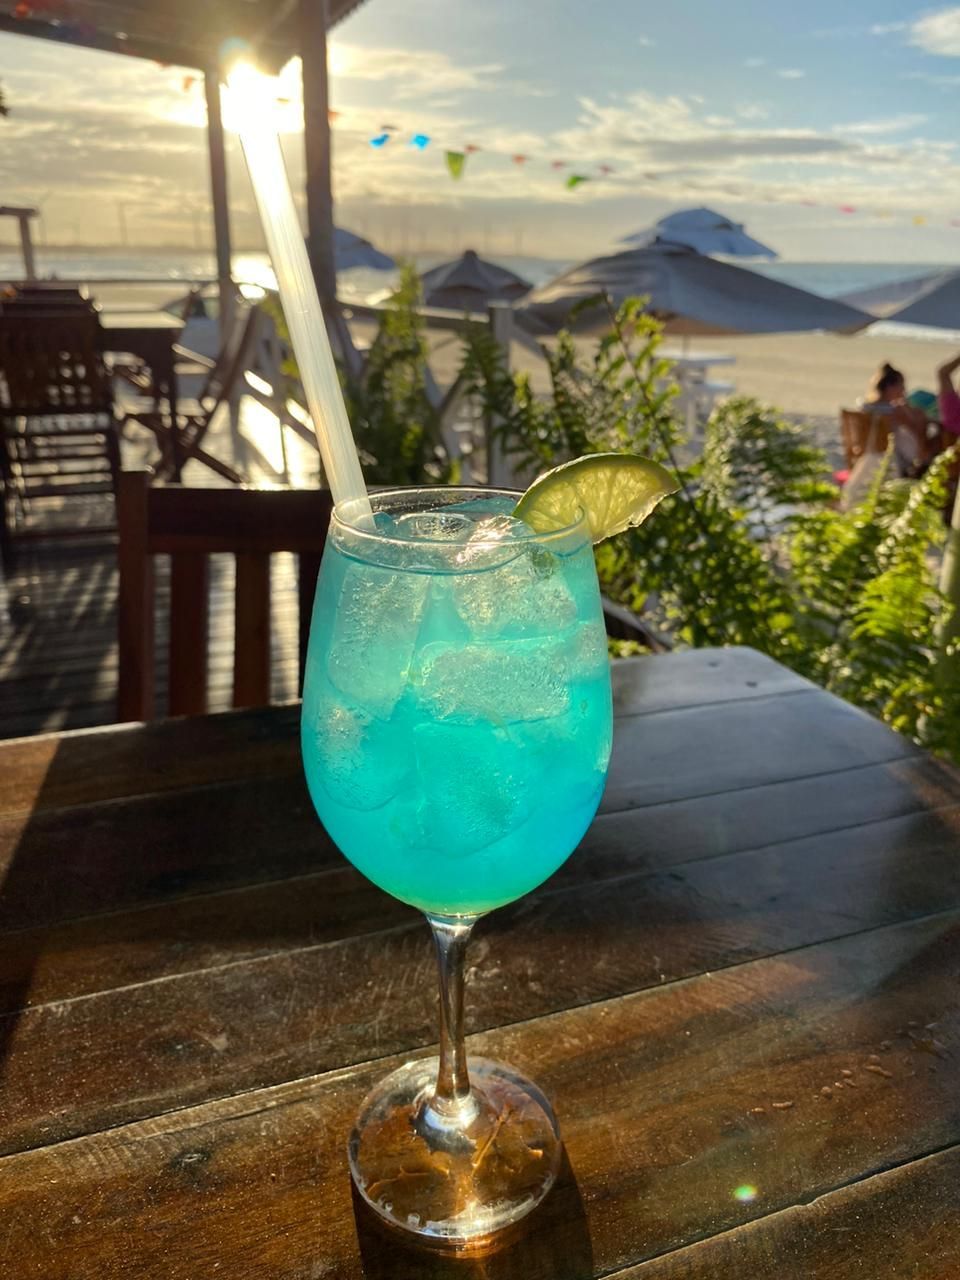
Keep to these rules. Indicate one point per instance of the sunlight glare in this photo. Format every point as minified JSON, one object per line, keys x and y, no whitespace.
{"x":255,"y":100}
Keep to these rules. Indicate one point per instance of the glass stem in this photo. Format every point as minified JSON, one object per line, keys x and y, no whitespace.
{"x":451,"y":935}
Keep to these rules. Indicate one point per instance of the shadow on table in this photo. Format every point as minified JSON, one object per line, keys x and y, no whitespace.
{"x":151,"y":860}
{"x":553,"y":1243}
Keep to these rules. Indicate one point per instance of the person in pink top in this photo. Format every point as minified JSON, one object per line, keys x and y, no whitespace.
{"x":948,"y":397}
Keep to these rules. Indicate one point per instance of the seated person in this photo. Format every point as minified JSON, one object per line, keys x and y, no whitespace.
{"x":948,"y":397}
{"x":887,"y":398}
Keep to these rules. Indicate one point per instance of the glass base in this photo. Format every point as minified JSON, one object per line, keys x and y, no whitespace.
{"x":459,"y":1174}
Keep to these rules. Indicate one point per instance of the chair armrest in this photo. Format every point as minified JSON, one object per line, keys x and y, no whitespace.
{"x":193,"y":357}
{"x":623,"y":624}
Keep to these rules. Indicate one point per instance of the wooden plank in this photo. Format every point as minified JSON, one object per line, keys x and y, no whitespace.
{"x":135,"y":602}
{"x":251,"y":677}
{"x":697,"y":677}
{"x":667,"y":756}
{"x":64,"y":864}
{"x":695,"y":751}
{"x":900,"y":1223}
{"x":329,"y":901}
{"x":235,"y":519}
{"x":72,"y":1065}
{"x":187,"y":665}
{"x":666,"y":1102}
{"x":164,"y":755}
{"x":59,"y":864}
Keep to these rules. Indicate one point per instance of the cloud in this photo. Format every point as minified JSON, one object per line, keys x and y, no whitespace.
{"x":754,"y":62}
{"x":938,"y":33}
{"x":888,"y":28}
{"x":892,"y":124}
{"x":930,"y":77}
{"x":791,"y":73}
{"x":645,"y":42}
{"x":414,"y":73}
{"x":753,"y":111}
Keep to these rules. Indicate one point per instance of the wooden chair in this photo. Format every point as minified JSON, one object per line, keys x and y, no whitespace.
{"x":223,"y":379}
{"x":862,"y":432}
{"x":190,"y":524}
{"x":59,"y":438}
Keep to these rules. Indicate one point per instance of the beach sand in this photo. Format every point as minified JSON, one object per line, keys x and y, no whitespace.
{"x":809,"y":377}
{"x":816,"y":375}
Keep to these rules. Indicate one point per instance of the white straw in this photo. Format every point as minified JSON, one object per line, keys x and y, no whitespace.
{"x":301,"y":305}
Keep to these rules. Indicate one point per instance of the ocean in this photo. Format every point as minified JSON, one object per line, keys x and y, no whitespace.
{"x":168,"y":270}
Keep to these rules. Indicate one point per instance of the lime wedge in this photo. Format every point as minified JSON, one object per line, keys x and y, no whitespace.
{"x":614,"y":490}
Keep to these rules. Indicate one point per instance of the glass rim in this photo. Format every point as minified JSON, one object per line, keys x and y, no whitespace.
{"x":355,"y":529}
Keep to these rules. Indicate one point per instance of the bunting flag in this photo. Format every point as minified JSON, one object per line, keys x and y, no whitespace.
{"x":455,"y":158}
{"x":22,"y":10}
{"x":188,"y":83}
{"x":455,"y":162}
{"x":333,"y":116}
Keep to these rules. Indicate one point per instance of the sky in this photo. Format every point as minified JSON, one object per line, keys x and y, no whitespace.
{"x":775,"y":113}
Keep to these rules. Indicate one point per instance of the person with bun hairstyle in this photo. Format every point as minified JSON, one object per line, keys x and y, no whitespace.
{"x":887,"y":398}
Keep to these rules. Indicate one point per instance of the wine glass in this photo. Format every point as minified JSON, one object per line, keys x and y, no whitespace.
{"x":456,"y":732}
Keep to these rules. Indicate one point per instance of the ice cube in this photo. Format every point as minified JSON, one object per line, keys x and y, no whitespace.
{"x":434,"y":526}
{"x":374,"y":635}
{"x":502,"y":682}
{"x":350,"y":753}
{"x":512,"y":588}
{"x":473,"y":789}
{"x":493,"y":541}
{"x":584,"y":652}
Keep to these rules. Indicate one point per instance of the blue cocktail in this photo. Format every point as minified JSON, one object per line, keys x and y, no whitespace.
{"x":456,"y":734}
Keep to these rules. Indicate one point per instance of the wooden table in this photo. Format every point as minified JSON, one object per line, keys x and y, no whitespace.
{"x":741,"y":993}
{"x":151,"y":335}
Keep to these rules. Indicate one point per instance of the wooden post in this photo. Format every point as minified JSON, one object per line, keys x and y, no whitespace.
{"x":26,"y":244}
{"x":221,"y":207}
{"x":316,"y":146}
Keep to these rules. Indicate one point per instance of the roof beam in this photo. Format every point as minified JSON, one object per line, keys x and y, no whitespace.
{"x":90,"y":38}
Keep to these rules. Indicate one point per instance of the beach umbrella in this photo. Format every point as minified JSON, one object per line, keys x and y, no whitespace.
{"x":704,"y":231}
{"x":469,"y":283}
{"x":932,"y":300}
{"x":689,"y":293}
{"x":351,"y":250}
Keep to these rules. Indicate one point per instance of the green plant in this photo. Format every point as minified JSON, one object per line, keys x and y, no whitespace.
{"x":395,"y":422}
{"x":753,"y":549}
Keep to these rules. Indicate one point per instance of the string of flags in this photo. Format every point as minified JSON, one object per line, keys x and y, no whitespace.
{"x":455,"y":158}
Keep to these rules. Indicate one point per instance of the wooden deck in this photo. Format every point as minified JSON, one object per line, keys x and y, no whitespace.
{"x":58,"y":647}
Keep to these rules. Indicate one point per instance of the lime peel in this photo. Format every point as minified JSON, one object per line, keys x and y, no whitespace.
{"x":614,"y":490}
